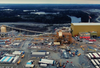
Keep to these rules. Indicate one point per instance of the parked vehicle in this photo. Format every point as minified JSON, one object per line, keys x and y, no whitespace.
{"x":19,"y":62}
{"x":23,"y":56}
{"x":76,"y":52}
{"x":79,"y":54}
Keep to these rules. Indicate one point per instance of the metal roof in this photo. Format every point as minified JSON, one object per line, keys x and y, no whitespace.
{"x":86,"y":23}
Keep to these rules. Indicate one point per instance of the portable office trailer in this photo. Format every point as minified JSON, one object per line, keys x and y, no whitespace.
{"x":93,"y":62}
{"x":96,"y":55}
{"x":43,"y":65}
{"x":38,"y":53}
{"x":91,"y":55}
{"x":29,"y":65}
{"x":15,"y":59}
{"x":97,"y":61}
{"x":88,"y":56}
{"x":47,"y":61}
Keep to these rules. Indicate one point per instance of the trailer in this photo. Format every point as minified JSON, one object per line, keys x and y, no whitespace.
{"x":96,"y":55}
{"x":97,"y":61}
{"x":15,"y":59}
{"x":16,"y":44}
{"x":88,"y":56}
{"x":91,"y":55}
{"x":38,"y":53}
{"x":29,"y":66}
{"x":99,"y":53}
{"x":43,"y":65}
{"x":93,"y":62}
{"x":9,"y":55}
{"x":47,"y":61}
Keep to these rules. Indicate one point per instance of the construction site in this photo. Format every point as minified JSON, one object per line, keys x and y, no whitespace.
{"x":66,"y":47}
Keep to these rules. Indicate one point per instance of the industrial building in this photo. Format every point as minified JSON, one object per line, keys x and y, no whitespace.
{"x":63,"y":37}
{"x":93,"y":28}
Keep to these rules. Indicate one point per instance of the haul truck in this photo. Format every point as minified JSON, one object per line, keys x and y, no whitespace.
{"x":23,"y":56}
{"x":19,"y":62}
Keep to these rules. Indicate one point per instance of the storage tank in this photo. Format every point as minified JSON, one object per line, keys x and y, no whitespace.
{"x":3,"y":29}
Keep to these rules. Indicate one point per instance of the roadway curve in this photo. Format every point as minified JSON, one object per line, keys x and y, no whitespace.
{"x":97,"y":19}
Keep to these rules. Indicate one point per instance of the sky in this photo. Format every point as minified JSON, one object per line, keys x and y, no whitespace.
{"x":50,"y":1}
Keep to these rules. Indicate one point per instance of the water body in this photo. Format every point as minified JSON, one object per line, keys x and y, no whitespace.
{"x":39,"y":13}
{"x":75,"y":19}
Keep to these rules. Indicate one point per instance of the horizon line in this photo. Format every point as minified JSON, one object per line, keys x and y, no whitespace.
{"x":44,"y":3}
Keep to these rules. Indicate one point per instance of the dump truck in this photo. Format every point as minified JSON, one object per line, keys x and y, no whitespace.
{"x":23,"y":56}
{"x":79,"y":54}
{"x":19,"y":62}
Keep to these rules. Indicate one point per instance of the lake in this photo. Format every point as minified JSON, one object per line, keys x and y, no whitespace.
{"x":75,"y":19}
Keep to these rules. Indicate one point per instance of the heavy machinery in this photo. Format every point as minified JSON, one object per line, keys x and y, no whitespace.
{"x":22,"y":56}
{"x":19,"y":62}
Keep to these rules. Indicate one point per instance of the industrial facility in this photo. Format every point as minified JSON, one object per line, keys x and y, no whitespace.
{"x":85,"y":27}
{"x":66,"y":47}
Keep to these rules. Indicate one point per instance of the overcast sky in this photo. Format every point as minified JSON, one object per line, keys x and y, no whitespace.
{"x":52,"y":1}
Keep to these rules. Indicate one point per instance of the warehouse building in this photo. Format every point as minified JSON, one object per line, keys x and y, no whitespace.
{"x":85,"y":27}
